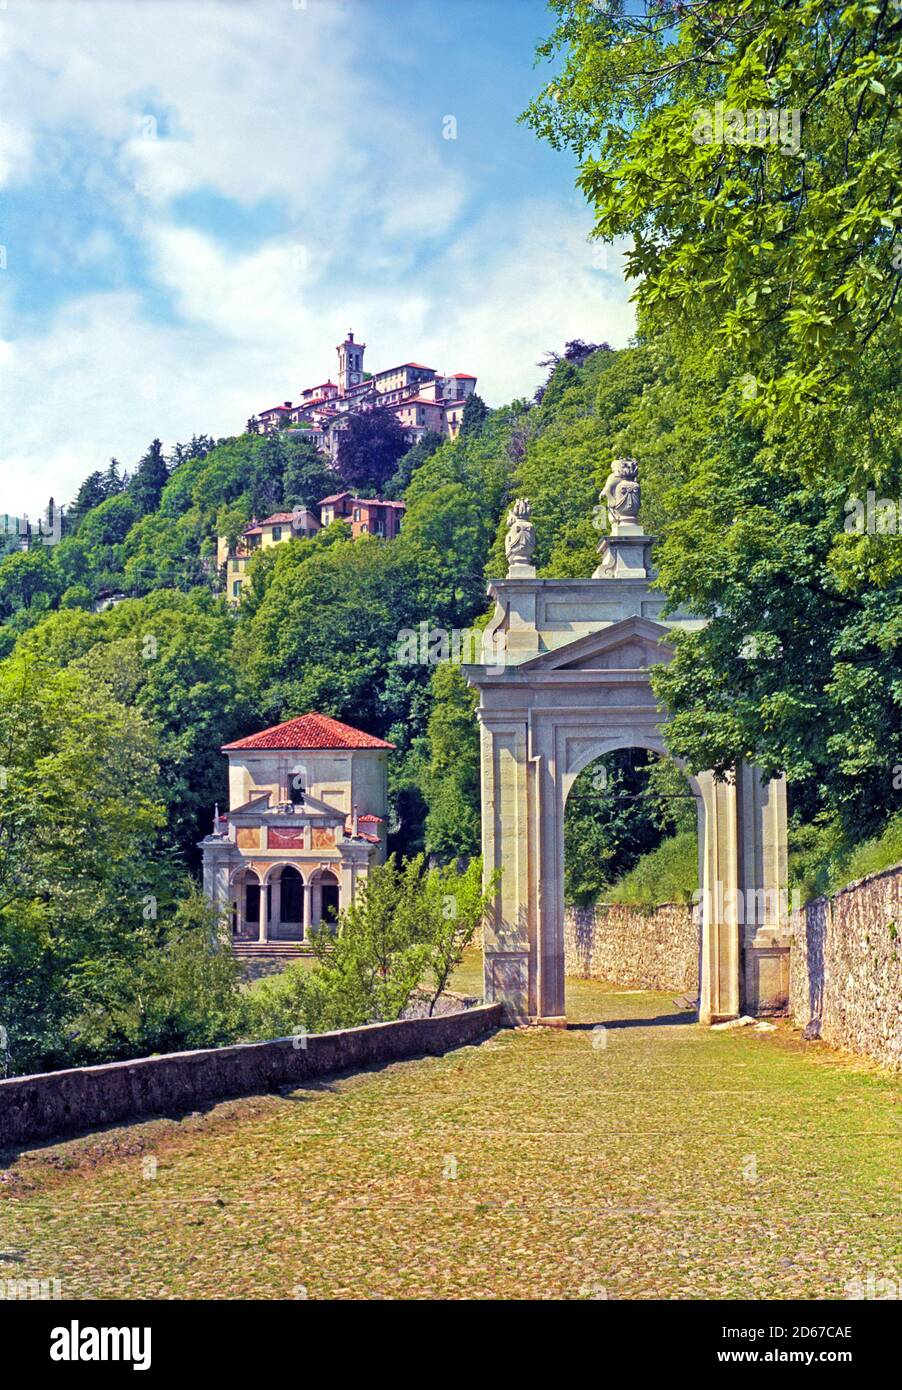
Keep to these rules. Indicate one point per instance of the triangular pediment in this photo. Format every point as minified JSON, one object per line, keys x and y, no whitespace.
{"x":311,"y":807}
{"x":254,"y":807}
{"x":629,"y":645}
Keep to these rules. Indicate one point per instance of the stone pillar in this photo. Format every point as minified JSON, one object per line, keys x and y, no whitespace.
{"x":275,"y":923}
{"x":305,"y":930}
{"x":546,"y":870}
{"x":261,"y":934}
{"x":765,"y":921}
{"x":719,"y":976}
{"x":509,"y":960}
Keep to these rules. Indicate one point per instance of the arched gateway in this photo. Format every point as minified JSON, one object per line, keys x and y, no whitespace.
{"x":565,"y":678}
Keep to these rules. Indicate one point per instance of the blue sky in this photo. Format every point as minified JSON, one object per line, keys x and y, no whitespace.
{"x":197,"y":200}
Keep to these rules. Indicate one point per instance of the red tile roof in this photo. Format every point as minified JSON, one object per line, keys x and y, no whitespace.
{"x":333,"y":497}
{"x":463,"y":376}
{"x":310,"y":731}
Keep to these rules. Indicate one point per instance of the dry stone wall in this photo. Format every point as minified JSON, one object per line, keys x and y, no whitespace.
{"x":657,"y":949}
{"x":846,"y":968}
{"x":53,"y":1104}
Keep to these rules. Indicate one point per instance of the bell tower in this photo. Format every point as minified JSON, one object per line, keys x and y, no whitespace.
{"x":350,"y":363}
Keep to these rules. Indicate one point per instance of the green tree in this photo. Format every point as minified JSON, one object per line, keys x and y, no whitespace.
{"x":369,"y":451}
{"x":452,"y":778}
{"x":325,"y":634}
{"x":114,"y":479}
{"x":408,"y":464}
{"x":181,"y":988}
{"x":475,"y":414}
{"x":406,"y":930}
{"x":777,"y":235}
{"x":149,"y":479}
{"x":90,"y":494}
{"x":29,"y":583}
{"x":77,"y":816}
{"x":308,"y":474}
{"x":768,"y":296}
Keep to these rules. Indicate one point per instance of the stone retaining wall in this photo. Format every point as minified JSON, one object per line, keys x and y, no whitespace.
{"x":53,"y":1104}
{"x":846,"y":968}
{"x":654,"y":949}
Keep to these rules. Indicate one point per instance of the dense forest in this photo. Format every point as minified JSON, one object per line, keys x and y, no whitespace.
{"x":761,"y":396}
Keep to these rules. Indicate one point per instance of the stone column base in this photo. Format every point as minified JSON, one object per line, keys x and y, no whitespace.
{"x":766,"y":975}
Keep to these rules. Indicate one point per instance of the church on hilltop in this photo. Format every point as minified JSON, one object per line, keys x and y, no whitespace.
{"x":421,"y":398}
{"x":307,"y":819}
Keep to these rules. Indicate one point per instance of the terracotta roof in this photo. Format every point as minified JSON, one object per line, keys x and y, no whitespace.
{"x":276,"y":518}
{"x":463,"y":376}
{"x":377,"y":502}
{"x":310,"y":731}
{"x":271,"y":408}
{"x":333,"y":497}
{"x":389,"y":371}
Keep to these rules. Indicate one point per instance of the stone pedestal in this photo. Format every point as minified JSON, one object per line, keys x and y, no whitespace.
{"x":625,"y":554}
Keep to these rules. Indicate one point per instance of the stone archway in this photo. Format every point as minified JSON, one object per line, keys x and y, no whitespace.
{"x":564,"y":679}
{"x":246,"y":895}
{"x":286,"y":915}
{"x":326,"y":896}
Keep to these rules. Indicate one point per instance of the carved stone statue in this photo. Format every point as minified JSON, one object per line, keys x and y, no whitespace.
{"x":520,"y":542}
{"x":622,"y":493}
{"x":626,"y":552}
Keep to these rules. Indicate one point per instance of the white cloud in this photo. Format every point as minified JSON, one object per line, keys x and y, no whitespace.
{"x":251,"y":102}
{"x":103,"y":380}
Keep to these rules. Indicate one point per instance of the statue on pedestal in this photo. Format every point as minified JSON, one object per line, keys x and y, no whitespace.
{"x":625,"y":553}
{"x":520,"y":542}
{"x":623,"y":494}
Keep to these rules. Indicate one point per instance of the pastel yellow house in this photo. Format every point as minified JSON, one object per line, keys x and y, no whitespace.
{"x":307,"y":816}
{"x":260,"y":535}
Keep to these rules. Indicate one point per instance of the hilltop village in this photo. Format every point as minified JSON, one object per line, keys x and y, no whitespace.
{"x":422,"y":400}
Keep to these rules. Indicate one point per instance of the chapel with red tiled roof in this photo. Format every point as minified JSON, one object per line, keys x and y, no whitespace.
{"x":310,"y":731}
{"x":306,"y":821}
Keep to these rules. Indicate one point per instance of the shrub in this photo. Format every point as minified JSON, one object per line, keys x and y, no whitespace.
{"x":668,"y":874}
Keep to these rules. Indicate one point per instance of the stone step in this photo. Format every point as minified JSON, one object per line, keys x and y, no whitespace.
{"x":268,"y":950}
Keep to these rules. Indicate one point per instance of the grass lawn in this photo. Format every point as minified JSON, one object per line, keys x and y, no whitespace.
{"x":671,"y":1162}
